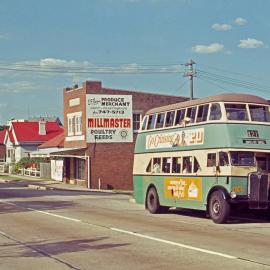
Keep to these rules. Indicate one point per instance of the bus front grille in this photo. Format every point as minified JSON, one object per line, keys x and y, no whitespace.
{"x":258,"y":191}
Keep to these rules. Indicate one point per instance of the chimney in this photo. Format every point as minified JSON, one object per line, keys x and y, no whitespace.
{"x":42,"y":127}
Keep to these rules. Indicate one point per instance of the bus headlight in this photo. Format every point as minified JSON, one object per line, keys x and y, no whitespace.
{"x":233,"y":195}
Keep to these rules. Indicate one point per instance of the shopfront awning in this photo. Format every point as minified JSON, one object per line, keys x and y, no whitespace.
{"x":70,"y":152}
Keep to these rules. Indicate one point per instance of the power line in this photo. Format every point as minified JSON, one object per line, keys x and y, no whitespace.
{"x":233,"y":81}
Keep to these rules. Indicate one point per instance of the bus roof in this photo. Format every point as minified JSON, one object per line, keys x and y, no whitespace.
{"x":231,"y":97}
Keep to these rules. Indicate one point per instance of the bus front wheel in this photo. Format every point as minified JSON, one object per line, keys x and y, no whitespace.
{"x":219,"y":208}
{"x":152,"y":201}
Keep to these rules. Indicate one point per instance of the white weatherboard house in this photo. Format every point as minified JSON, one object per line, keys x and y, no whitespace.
{"x":23,"y":138}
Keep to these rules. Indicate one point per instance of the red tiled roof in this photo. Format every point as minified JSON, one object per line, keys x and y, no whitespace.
{"x":2,"y":136}
{"x":29,"y":131}
{"x":11,"y":137}
{"x":57,"y":141}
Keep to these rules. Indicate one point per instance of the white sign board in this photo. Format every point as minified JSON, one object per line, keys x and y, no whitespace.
{"x":174,"y":139}
{"x":109,"y":118}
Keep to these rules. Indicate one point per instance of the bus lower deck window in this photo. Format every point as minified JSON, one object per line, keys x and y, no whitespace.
{"x":166,"y":165}
{"x":176,"y":165}
{"x":187,"y":165}
{"x":211,"y":159}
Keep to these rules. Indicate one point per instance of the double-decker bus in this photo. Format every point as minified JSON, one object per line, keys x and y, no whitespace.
{"x":205,"y":154}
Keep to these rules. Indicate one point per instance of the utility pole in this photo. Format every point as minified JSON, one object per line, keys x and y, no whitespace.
{"x":190,"y":73}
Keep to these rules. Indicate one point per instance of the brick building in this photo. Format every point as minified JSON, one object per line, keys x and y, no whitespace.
{"x":101,"y":165}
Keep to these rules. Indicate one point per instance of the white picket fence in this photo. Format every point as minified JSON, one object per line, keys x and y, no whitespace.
{"x":33,"y":172}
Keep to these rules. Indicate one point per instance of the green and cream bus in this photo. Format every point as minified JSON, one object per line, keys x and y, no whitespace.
{"x":206,"y":154}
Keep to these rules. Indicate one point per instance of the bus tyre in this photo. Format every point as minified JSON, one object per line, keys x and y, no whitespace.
{"x":219,"y":208}
{"x":152,"y":201}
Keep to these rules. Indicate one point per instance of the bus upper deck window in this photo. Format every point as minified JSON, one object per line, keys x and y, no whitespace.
{"x":160,"y":120}
{"x":191,"y":114}
{"x":259,"y":113}
{"x":169,"y":119}
{"x":202,"y":113}
{"x":215,"y":112}
{"x":180,"y":114}
{"x":236,"y":112}
{"x":151,"y":121}
{"x":144,"y":123}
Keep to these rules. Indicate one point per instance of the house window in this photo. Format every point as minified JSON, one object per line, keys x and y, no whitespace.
{"x":136,"y":121}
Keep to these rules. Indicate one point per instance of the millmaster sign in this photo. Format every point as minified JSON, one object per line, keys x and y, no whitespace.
{"x":109,"y":118}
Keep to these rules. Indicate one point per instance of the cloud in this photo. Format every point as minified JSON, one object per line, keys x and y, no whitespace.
{"x":3,"y":37}
{"x":251,"y":43}
{"x":18,"y":87}
{"x":221,"y":27}
{"x":240,"y":21}
{"x":210,"y":49}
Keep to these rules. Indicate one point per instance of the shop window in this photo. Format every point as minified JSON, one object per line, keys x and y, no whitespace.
{"x":78,"y":124}
{"x":80,"y":169}
{"x":70,"y":125}
{"x":136,"y":121}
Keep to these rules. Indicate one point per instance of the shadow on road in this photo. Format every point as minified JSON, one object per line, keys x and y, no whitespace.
{"x":42,"y":248}
{"x":20,"y":190}
{"x":237,"y":216}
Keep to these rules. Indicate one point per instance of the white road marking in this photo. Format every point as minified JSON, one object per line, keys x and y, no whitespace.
{"x":175,"y":243}
{"x":134,"y":234}
{"x":54,"y":215}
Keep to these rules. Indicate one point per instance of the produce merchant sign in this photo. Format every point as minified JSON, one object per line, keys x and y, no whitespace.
{"x":109,"y":118}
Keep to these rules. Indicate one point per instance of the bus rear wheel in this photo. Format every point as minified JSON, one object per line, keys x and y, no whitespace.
{"x":152,"y":201}
{"x":219,"y":208}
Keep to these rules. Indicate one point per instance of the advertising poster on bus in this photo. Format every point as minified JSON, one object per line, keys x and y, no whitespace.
{"x":109,"y":118}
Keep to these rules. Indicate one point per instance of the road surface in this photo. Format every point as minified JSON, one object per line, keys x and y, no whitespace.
{"x":46,"y":229}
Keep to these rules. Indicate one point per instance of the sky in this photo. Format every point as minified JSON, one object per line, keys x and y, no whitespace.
{"x":140,"y":45}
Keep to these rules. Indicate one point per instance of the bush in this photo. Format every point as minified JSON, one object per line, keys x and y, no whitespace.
{"x":27,"y":162}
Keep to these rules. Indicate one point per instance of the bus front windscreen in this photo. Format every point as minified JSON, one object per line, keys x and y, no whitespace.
{"x":242,"y":158}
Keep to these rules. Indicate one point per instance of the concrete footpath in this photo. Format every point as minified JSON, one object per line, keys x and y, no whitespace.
{"x":46,"y":184}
